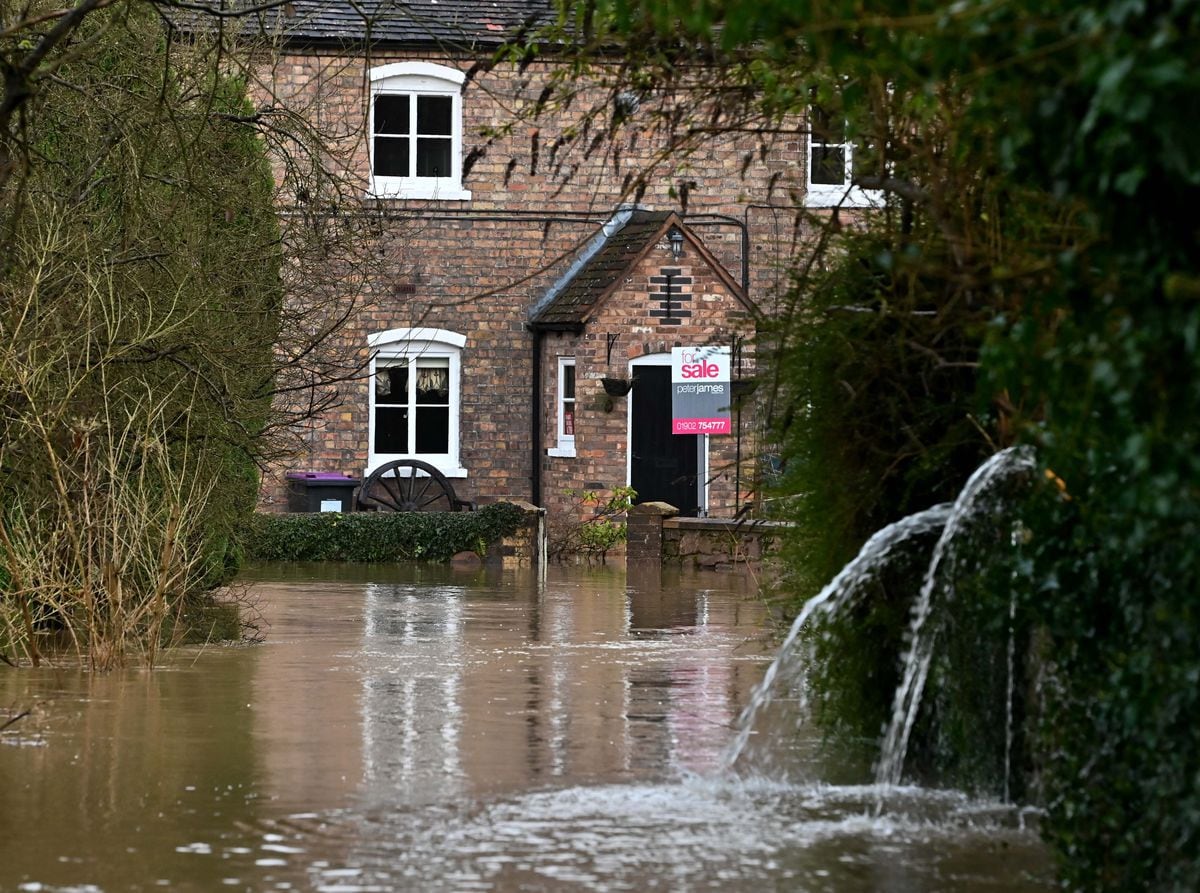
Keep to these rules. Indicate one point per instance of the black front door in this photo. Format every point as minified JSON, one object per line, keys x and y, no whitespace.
{"x":663,"y":466}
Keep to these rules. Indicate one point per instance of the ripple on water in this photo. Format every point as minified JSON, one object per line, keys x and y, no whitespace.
{"x":697,"y":834}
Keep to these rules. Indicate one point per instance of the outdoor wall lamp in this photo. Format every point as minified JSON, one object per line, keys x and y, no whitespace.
{"x":675,"y":237}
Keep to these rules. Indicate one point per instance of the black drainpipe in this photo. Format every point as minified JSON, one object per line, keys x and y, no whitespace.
{"x":535,"y":406}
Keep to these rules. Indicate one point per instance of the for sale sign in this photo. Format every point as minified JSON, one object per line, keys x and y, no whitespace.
{"x":700,"y":390}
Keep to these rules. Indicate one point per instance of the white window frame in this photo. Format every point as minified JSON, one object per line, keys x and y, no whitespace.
{"x":831,"y":195}
{"x":566,"y":442}
{"x":415,"y":79}
{"x":396,"y":346}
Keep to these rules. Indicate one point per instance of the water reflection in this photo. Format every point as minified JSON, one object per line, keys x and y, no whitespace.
{"x":474,"y":691}
{"x":421,"y":728}
{"x":115,"y":777}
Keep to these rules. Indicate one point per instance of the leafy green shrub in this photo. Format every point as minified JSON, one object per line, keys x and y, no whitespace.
{"x":596,"y":533}
{"x":378,"y":536}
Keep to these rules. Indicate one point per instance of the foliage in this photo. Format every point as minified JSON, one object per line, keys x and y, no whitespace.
{"x":149,"y":363}
{"x":1113,"y":575}
{"x":378,"y":536}
{"x":879,"y":392}
{"x":1041,"y":171}
{"x":598,"y":530}
{"x":1107,"y":353}
{"x":140,"y":303}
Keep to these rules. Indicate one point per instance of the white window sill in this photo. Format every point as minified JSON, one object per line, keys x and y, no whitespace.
{"x":416,"y":189}
{"x":450,"y":471}
{"x":562,"y":452}
{"x":843,"y":197}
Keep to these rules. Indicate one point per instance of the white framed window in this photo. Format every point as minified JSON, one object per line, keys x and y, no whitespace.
{"x":565,"y":403}
{"x":415,"y":398}
{"x":831,"y":165}
{"x":415,"y":129}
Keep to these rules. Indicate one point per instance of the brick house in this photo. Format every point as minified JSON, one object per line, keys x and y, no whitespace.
{"x":513,"y":278}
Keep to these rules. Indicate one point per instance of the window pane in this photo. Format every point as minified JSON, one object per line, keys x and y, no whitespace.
{"x":391,"y":114}
{"x":391,"y":385}
{"x":433,"y":385}
{"x":391,"y":157}
{"x":433,"y":115}
{"x":433,"y":429}
{"x":433,"y":157}
{"x":391,"y":429}
{"x":828,"y":165}
{"x":569,"y":419}
{"x":826,"y":128}
{"x":568,"y":382}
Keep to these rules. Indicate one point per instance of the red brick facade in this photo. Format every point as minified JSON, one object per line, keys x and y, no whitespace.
{"x":622,"y":335}
{"x":479,"y":267}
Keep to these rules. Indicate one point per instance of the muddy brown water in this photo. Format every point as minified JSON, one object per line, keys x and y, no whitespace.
{"x":418,"y":728}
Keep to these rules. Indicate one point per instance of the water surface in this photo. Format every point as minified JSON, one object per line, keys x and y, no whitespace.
{"x":425,"y":729}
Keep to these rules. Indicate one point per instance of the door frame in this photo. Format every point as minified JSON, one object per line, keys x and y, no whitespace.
{"x":664,"y":359}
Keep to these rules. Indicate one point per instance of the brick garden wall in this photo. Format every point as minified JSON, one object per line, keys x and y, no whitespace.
{"x":658,"y":537}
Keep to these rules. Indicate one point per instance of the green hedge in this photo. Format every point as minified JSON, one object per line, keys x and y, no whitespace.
{"x":378,"y":536}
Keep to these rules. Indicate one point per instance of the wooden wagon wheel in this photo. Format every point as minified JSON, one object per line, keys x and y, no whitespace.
{"x":409,"y":485}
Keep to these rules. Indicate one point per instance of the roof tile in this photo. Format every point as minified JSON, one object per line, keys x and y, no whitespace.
{"x":573,"y":305}
{"x":449,"y":22}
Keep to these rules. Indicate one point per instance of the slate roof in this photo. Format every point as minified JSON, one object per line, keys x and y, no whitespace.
{"x":403,"y":22}
{"x":571,"y":303}
{"x":574,"y":303}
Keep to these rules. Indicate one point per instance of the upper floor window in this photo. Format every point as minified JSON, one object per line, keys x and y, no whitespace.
{"x":831,"y":165}
{"x":415,"y":398}
{"x":415,"y":124}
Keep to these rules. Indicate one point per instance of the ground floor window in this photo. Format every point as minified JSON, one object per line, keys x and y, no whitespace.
{"x":415,"y":398}
{"x":565,"y":403}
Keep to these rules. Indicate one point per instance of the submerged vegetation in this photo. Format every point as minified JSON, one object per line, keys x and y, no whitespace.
{"x":1031,"y":276}
{"x":144,"y":337}
{"x":141,"y":298}
{"x":598,"y":525}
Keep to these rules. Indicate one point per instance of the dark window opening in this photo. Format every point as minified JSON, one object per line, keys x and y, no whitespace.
{"x":418,"y":415}
{"x":413,"y":145}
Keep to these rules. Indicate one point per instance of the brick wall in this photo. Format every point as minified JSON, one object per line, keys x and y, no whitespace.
{"x":704,"y":312}
{"x":657,"y":536}
{"x":476,"y":267}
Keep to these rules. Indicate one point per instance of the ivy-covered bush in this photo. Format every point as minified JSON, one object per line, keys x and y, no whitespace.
{"x":378,"y":536}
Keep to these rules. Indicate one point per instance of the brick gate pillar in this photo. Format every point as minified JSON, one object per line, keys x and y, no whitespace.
{"x":645,"y":523}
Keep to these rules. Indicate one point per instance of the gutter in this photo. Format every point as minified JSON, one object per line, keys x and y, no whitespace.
{"x":535,"y":416}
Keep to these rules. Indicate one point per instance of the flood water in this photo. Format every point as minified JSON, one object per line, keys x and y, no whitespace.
{"x":426,"y":729}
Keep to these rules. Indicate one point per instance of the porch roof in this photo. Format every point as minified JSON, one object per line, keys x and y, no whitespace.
{"x":577,"y":299}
